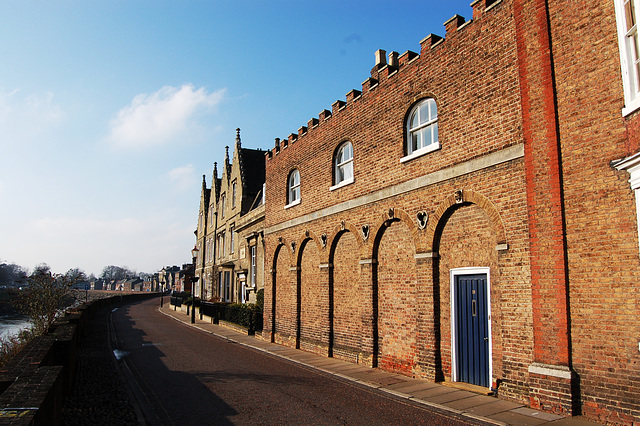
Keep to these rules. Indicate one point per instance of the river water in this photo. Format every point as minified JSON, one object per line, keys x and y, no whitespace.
{"x":12,"y":325}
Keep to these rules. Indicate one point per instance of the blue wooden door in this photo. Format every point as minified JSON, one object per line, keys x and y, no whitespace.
{"x":472,"y":329}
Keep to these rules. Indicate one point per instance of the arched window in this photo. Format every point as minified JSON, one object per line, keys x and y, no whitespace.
{"x":343,"y":165}
{"x":293,"y":187}
{"x":422,"y":128}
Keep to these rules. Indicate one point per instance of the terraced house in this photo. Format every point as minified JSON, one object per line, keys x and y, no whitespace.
{"x":468,"y":214}
{"x":230,"y":261}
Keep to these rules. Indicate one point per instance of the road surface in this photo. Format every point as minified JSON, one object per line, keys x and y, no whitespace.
{"x":180,"y":375}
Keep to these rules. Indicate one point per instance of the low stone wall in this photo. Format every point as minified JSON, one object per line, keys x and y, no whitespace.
{"x":34,"y":383}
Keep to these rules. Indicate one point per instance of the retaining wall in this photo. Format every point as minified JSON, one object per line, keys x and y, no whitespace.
{"x":35,"y":382}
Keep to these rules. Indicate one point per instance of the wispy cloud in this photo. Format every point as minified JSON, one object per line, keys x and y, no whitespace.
{"x":182,"y":178}
{"x":22,"y":117}
{"x":157,"y":118}
{"x":353,"y":37}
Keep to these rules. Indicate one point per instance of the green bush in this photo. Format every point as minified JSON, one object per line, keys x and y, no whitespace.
{"x":260,"y":299}
{"x":240,"y":314}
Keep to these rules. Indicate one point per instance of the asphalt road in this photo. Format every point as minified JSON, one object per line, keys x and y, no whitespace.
{"x":180,"y":375}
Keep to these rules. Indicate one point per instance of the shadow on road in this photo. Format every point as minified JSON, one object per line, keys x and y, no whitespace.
{"x":151,"y":367}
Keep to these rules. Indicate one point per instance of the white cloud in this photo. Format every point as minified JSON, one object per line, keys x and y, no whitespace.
{"x":23,"y":117}
{"x":156,"y":118}
{"x":182,"y":178}
{"x":42,"y":106}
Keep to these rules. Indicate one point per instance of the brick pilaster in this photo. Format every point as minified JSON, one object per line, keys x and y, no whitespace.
{"x":550,"y":375}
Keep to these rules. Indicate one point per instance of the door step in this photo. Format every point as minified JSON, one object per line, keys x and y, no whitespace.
{"x":469,"y":387}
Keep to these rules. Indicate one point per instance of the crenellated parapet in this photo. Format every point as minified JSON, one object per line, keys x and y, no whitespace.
{"x":387,"y":67}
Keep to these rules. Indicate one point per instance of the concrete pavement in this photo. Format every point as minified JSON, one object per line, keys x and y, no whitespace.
{"x":441,"y":397}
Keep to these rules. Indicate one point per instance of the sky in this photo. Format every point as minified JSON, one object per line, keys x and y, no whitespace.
{"x":112,"y":111}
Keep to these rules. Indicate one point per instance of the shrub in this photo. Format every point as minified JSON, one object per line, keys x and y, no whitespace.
{"x":11,"y":345}
{"x":260,"y":299}
{"x":43,"y":298}
{"x":249,"y":316}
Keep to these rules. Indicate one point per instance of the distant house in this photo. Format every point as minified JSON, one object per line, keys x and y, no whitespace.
{"x":97,"y":284}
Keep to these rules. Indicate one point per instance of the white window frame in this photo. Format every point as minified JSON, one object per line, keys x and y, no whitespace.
{"x":629,"y":57}
{"x":253,"y":266}
{"x":337,"y":166}
{"x":452,"y":279}
{"x":632,"y":166}
{"x":223,"y":202}
{"x":422,"y":124}
{"x":291,"y":189}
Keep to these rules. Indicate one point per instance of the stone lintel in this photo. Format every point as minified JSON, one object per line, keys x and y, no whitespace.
{"x":427,"y":255}
{"x":559,"y":371}
{"x":502,"y":247}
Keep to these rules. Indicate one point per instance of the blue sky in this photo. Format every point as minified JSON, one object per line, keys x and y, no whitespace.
{"x":111,"y":111}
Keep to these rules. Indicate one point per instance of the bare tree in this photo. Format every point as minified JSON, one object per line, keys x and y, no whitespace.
{"x":43,"y":297}
{"x":113,"y":272}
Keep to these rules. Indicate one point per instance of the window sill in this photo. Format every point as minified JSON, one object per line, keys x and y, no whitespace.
{"x":291,"y":204}
{"x":422,"y":151}
{"x":634,"y":105}
{"x":341,"y":184}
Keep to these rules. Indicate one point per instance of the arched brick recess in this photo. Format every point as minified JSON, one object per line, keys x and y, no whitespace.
{"x":283,"y":297}
{"x":304,"y":239}
{"x":312,"y":299}
{"x":395,"y":295}
{"x":392,"y":215}
{"x":466,"y":235}
{"x":345,"y":295}
{"x":337,"y":231}
{"x":450,"y":202}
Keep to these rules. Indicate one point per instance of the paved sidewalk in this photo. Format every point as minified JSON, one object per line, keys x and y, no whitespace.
{"x":440,"y":397}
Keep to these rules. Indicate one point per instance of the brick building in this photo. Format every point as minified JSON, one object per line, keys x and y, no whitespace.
{"x":230,"y":262}
{"x":468,"y":214}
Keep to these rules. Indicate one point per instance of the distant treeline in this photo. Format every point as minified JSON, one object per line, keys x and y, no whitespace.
{"x":7,"y":306}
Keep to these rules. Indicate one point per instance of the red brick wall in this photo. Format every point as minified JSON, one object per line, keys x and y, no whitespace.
{"x":396,"y":286}
{"x":473,"y":77}
{"x":468,"y":240}
{"x":286,"y":300}
{"x":559,"y":94}
{"x":314,"y":300}
{"x":347,"y":299}
{"x":602,"y":253}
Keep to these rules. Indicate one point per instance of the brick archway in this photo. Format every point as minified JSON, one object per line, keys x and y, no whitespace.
{"x":394,"y":291}
{"x":465,"y":233}
{"x":454,"y":201}
{"x":344,"y":291}
{"x":311,"y":294}
{"x":280,"y":251}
